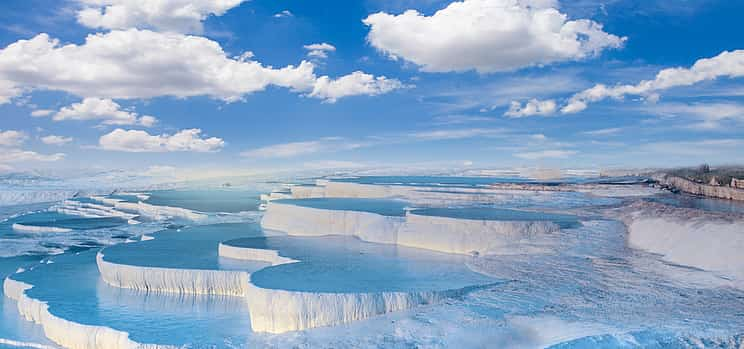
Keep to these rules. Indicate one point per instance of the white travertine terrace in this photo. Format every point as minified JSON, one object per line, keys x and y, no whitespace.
{"x":152,"y":211}
{"x":67,"y":333}
{"x":705,"y":240}
{"x":189,"y":281}
{"x":307,"y":221}
{"x":467,"y":236}
{"x":253,"y":254}
{"x":443,"y":234}
{"x":26,"y":228}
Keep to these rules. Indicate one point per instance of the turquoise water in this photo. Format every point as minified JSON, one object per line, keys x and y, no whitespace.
{"x":74,"y":291}
{"x":187,"y":248}
{"x":212,"y":200}
{"x":341,"y":264}
{"x":584,"y":274}
{"x":379,"y":206}
{"x":60,"y":220}
{"x":497,"y":214}
{"x":432,"y":180}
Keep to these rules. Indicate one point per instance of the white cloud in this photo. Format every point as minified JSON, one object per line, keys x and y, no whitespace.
{"x":546,"y":154}
{"x":292,"y":149}
{"x":41,"y":112}
{"x":12,"y":138}
{"x":141,"y":141}
{"x":106,"y":110}
{"x":284,"y":14}
{"x":727,"y":64}
{"x":531,"y":108}
{"x":356,"y":83}
{"x":56,"y":140}
{"x":456,"y":134}
{"x":488,"y":36}
{"x":185,"y":16}
{"x":710,"y":115}
{"x":145,"y":64}
{"x":18,"y":155}
{"x":319,"y":50}
{"x":603,"y":131}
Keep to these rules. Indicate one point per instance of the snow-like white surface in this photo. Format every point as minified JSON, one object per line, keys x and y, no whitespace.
{"x":152,"y":211}
{"x":278,"y":311}
{"x":253,"y":254}
{"x":26,"y":228}
{"x":442,"y":234}
{"x":19,"y":197}
{"x":187,"y":281}
{"x":191,"y":281}
{"x":90,"y":210}
{"x":307,"y":221}
{"x":467,"y":236}
{"x":64,"y":332}
{"x":708,"y":243}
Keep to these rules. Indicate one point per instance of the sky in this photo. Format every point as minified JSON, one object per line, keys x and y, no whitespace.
{"x":233,"y":86}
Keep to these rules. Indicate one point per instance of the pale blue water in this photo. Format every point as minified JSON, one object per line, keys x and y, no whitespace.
{"x":583,"y":274}
{"x":379,"y":206}
{"x":341,"y":264}
{"x":74,"y":291}
{"x":187,"y":248}
{"x":212,"y":200}
{"x":498,"y":214}
{"x":437,"y":181}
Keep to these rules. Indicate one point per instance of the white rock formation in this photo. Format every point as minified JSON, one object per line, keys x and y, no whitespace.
{"x":442,"y":234}
{"x":468,"y":236}
{"x":67,"y":333}
{"x":705,"y":240}
{"x":26,"y":228}
{"x":253,"y":254}
{"x":307,"y":221}
{"x":278,"y":311}
{"x":188,"y":281}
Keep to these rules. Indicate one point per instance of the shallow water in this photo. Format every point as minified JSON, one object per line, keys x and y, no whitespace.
{"x":339,"y":264}
{"x":582,"y":287}
{"x":74,"y":291}
{"x":379,"y":206}
{"x":187,"y":248}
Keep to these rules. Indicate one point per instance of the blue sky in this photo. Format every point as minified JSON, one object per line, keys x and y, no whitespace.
{"x":476,"y":84}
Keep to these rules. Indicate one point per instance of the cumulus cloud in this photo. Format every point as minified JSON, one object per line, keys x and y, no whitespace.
{"x":319,"y":50}
{"x":140,"y":141}
{"x":56,"y":140}
{"x":356,"y":83}
{"x":145,"y":64}
{"x":545,"y":154}
{"x":105,"y":110}
{"x":531,"y":108}
{"x":12,"y":138}
{"x":185,"y":16}
{"x":488,"y":36}
{"x":728,"y":64}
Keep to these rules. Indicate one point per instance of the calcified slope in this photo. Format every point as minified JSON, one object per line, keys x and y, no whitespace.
{"x":67,"y":333}
{"x":706,"y":240}
{"x":190,"y":281}
{"x":308,"y":221}
{"x":444,"y":234}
